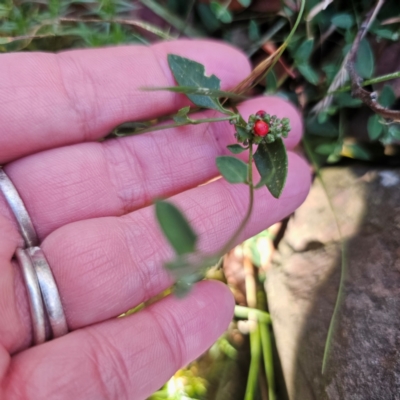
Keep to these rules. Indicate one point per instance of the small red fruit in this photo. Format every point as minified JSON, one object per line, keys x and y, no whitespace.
{"x":261,"y":113}
{"x":261,"y":128}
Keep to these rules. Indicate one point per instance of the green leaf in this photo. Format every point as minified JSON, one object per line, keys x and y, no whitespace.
{"x":387,"y":97}
{"x":221,"y":12}
{"x":374,"y":127}
{"x":242,"y":133}
{"x":245,"y":3}
{"x":207,"y":17}
{"x":254,"y":31}
{"x":232,"y":169}
{"x":236,"y":148}
{"x":326,"y":129}
{"x":308,"y":73}
{"x":181,"y":116}
{"x":271,"y":82}
{"x":182,"y":289}
{"x":192,"y":74}
{"x":356,"y":151}
{"x":346,"y":100}
{"x":326,"y":149}
{"x":394,"y":131}
{"x":303,"y":53}
{"x":365,"y":63}
{"x":272,"y":164}
{"x":386,"y":33}
{"x":343,"y":20}
{"x":175,"y":227}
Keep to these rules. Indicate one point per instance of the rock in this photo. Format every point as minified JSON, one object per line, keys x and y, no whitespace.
{"x":302,"y":286}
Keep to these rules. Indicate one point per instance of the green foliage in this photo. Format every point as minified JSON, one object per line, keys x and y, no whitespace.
{"x":232,"y":169}
{"x":365,"y":60}
{"x":192,"y":74}
{"x":221,"y":12}
{"x":175,"y":227}
{"x":181,"y":117}
{"x":271,"y":162}
{"x":343,"y":20}
{"x":254,"y":31}
{"x":236,"y":148}
{"x":302,"y":58}
{"x":387,"y":96}
{"x":374,"y":127}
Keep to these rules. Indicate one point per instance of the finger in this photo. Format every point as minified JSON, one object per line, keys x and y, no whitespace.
{"x":50,"y":100}
{"x":117,"y":176}
{"x":124,"y":358}
{"x":107,"y":265}
{"x":14,"y":310}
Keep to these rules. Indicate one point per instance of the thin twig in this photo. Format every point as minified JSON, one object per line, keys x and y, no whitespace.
{"x":368,"y":98}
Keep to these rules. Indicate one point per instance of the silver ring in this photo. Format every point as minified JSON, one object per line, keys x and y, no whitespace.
{"x":18,"y":208}
{"x":50,"y":294}
{"x":34,"y":296}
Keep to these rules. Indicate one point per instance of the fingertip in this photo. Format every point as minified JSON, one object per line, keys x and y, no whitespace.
{"x":202,"y":317}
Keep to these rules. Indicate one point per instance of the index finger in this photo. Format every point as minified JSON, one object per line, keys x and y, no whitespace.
{"x":52,"y":100}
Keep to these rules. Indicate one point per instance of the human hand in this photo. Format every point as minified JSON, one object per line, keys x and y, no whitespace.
{"x":90,"y":205}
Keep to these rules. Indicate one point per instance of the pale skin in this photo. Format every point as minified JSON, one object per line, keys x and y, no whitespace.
{"x":91,"y":205}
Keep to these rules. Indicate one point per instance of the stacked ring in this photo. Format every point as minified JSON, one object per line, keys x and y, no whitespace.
{"x":47,"y":314}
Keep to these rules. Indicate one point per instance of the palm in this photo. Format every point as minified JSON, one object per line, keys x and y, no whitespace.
{"x":89,"y":202}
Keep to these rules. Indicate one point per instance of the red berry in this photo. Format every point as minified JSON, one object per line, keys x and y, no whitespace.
{"x":261,"y":128}
{"x":261,"y":113}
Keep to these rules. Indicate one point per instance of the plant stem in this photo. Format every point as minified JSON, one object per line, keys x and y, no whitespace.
{"x":175,"y":125}
{"x":343,"y":267}
{"x":202,"y":121}
{"x":266,"y":344}
{"x":383,"y":78}
{"x":231,"y":242}
{"x":255,"y":348}
{"x":243,"y":312}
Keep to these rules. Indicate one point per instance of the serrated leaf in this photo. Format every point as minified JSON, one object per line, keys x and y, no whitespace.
{"x":236,"y":148}
{"x":374,"y":127}
{"x":192,"y":74}
{"x":272,"y":164}
{"x":365,"y":63}
{"x":387,"y":96}
{"x":232,"y":169}
{"x":343,"y":20}
{"x":175,"y":227}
